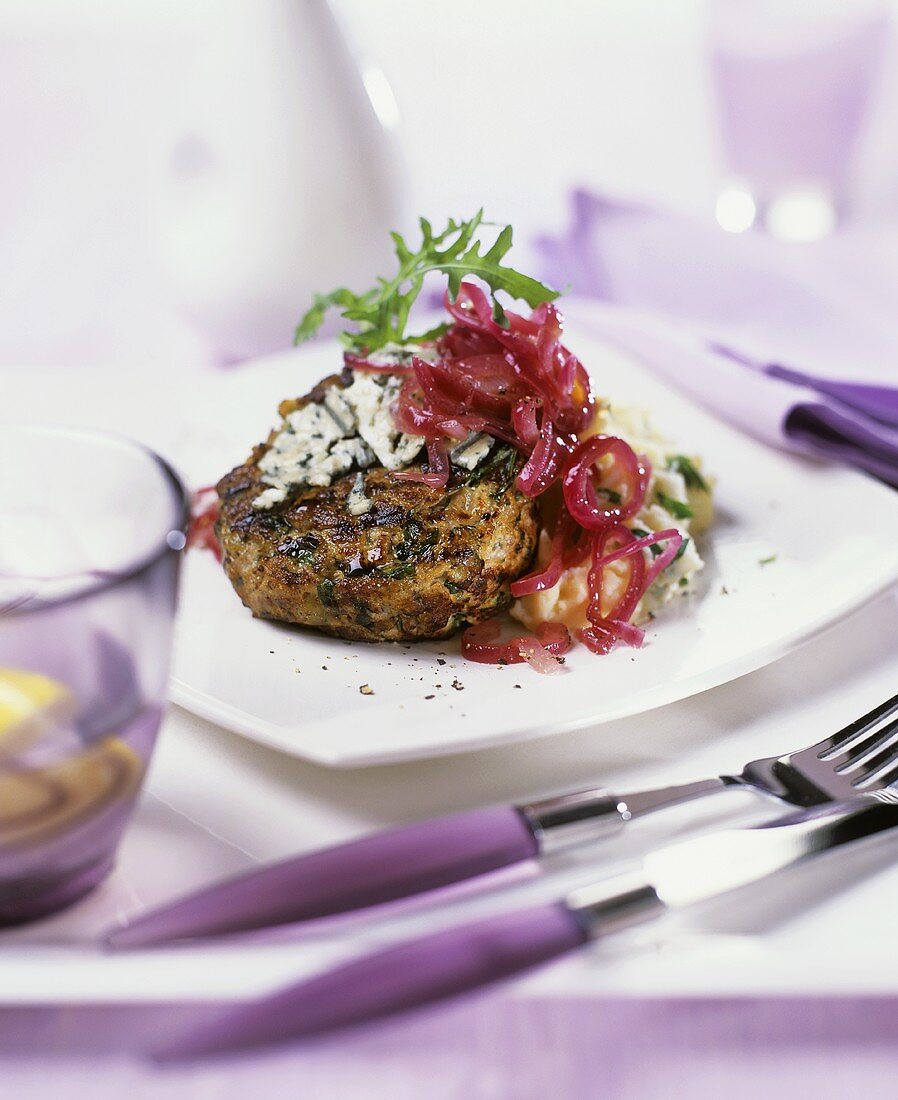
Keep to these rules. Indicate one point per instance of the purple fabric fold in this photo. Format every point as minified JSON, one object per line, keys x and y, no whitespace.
{"x":880,"y":403}
{"x":828,"y":432}
{"x":727,"y":319}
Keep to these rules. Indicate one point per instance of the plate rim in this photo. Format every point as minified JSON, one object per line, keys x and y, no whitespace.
{"x":277,"y":737}
{"x":273,"y":736}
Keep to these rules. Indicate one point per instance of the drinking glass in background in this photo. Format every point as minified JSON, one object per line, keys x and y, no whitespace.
{"x":91,"y":527}
{"x":794,"y":83}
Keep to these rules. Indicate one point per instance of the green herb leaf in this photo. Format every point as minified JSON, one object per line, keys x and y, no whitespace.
{"x":654,"y":548}
{"x":677,"y":508}
{"x":326,"y":592}
{"x":382,"y":313}
{"x":767,"y":561}
{"x":302,"y":549}
{"x":314,"y":319}
{"x":691,"y":476}
{"x":504,"y":461}
{"x":395,"y":572}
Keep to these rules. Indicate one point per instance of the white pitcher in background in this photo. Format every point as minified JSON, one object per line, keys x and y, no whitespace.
{"x":281,"y":176}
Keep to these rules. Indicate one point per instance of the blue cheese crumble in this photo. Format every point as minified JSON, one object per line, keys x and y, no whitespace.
{"x":350,"y":428}
{"x":357,"y":504}
{"x":471,"y":451}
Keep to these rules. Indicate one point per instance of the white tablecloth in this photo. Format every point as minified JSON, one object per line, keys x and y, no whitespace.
{"x":621,"y":105}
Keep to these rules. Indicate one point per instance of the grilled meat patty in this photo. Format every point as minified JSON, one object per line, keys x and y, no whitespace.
{"x":419,"y":563}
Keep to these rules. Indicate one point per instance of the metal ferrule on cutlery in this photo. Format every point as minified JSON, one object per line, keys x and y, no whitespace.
{"x":569,"y":820}
{"x":455,"y":960}
{"x":695,"y":870}
{"x":397,"y":864}
{"x":387,"y":866}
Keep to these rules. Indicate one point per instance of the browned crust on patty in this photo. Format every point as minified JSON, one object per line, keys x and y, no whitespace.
{"x":420,"y":564}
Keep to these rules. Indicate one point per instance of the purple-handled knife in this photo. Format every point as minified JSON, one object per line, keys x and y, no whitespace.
{"x":400,"y":978}
{"x":417,"y":858}
{"x":449,"y":962}
{"x":396,"y":863}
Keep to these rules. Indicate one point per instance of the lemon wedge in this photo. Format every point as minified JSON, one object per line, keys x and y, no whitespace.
{"x":40,"y":802}
{"x":31,"y":704}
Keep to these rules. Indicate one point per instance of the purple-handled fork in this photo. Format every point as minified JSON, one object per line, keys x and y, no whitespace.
{"x":390,"y":865}
{"x":459,"y":959}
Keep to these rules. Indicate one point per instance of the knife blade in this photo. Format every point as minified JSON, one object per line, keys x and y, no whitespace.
{"x":705,"y":867}
{"x":453,"y":961}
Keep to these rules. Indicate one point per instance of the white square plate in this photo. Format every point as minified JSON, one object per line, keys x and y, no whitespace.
{"x":833,"y":534}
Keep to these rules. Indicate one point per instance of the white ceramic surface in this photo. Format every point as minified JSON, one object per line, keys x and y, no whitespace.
{"x":832,"y":533}
{"x":216,"y":803}
{"x":282,"y":173}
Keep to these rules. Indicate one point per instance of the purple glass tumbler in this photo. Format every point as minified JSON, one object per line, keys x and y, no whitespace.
{"x":91,"y":529}
{"x":794,"y":84}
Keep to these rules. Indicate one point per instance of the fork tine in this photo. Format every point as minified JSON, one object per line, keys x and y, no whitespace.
{"x":833,"y":746}
{"x":878,"y":770}
{"x":884,"y":778}
{"x":862,"y":752}
{"x":887,"y":779}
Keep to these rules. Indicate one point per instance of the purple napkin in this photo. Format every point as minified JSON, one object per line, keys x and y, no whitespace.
{"x":804,"y":366}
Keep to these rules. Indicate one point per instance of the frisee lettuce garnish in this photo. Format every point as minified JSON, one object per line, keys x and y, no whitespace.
{"x":381,"y":313}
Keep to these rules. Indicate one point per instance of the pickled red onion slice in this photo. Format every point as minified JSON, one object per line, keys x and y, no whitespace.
{"x":608,"y":546}
{"x":540,"y":650}
{"x":667,"y":556}
{"x":517,"y":382}
{"x":565,"y":547}
{"x":535,"y":351}
{"x":583,"y":477}
{"x":436,"y":474}
{"x":523,"y":419}
{"x":613,"y":625}
{"x":359,"y":362}
{"x":204,"y":508}
{"x":546,"y":462}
